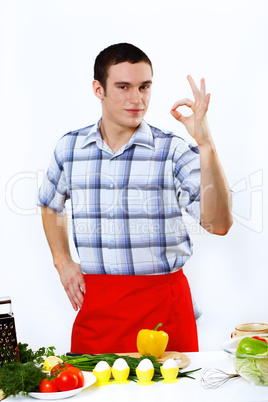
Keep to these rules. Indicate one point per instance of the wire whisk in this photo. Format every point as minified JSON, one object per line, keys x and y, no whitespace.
{"x":214,"y":378}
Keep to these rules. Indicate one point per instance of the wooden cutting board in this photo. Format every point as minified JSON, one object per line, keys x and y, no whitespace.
{"x":183,"y":360}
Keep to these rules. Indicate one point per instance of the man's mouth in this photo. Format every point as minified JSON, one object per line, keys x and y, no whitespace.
{"x":134,"y":111}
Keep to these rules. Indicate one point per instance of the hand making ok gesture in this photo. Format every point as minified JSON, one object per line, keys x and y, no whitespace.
{"x":196,"y":124}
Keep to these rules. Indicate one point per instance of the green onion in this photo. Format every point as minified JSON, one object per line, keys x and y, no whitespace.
{"x":88,"y":362}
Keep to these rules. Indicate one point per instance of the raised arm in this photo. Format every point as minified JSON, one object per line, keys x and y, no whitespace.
{"x":215,"y":197}
{"x":71,"y":277}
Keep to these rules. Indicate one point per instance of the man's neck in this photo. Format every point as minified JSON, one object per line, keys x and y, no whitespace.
{"x":114,"y":136}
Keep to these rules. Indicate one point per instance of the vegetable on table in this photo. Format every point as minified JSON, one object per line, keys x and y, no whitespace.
{"x":63,"y":377}
{"x":88,"y":362}
{"x":60,"y":367}
{"x":22,"y":378}
{"x":66,"y":380}
{"x":26,"y":354}
{"x":252,"y":346}
{"x":79,"y":375}
{"x":48,"y":385}
{"x":25,"y":374}
{"x":251,"y":360}
{"x":152,"y":342}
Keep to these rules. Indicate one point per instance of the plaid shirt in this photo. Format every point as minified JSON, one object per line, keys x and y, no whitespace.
{"x":126,"y":207}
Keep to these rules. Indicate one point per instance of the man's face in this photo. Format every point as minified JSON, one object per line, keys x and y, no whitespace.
{"x":127,"y":95}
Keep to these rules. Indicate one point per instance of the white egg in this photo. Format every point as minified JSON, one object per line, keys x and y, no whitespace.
{"x":145,"y":365}
{"x":120,"y":364}
{"x":101,"y":366}
{"x":170,"y":363}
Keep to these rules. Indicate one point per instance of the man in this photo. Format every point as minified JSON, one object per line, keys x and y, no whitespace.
{"x":128,"y":183}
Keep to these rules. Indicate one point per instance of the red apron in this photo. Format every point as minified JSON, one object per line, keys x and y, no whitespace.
{"x":116,"y":307}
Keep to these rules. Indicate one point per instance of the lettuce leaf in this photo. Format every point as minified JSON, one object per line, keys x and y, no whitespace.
{"x":253,"y":369}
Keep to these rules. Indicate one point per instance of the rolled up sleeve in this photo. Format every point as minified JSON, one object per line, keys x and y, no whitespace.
{"x":187,"y":181}
{"x":54,"y":191}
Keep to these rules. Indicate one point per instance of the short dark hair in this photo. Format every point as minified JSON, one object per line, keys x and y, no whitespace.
{"x":115,"y":54}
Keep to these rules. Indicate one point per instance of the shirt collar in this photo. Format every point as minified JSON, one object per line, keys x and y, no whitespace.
{"x":142,"y":136}
{"x":92,"y":135}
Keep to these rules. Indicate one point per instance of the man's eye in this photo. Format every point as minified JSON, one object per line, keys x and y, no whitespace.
{"x":123,"y":87}
{"x":144,"y":87}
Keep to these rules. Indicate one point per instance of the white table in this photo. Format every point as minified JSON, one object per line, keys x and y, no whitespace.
{"x":186,"y":390}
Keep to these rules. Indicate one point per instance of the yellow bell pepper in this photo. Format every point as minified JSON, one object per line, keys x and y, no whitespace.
{"x":152,"y":342}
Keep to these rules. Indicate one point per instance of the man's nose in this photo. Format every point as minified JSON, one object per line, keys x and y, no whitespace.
{"x":135,"y":96}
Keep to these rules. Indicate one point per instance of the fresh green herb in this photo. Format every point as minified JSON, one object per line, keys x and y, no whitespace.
{"x":88,"y":363}
{"x":28,"y":355}
{"x":18,"y":378}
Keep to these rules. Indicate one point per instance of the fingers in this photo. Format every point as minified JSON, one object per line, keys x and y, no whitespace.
{"x":200,"y":95}
{"x":73,"y":299}
{"x":82,"y":285}
{"x":207,"y":100}
{"x":177,"y":115}
{"x":194,"y":122}
{"x":202,"y":99}
{"x":183,"y":102}
{"x":196,"y":92}
{"x":75,"y":294}
{"x":203,"y":87}
{"x":204,"y":96}
{"x":193,"y":86}
{"x":74,"y":284}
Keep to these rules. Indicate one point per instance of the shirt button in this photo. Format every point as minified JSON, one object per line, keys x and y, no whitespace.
{"x":111,"y":185}
{"x":111,"y":215}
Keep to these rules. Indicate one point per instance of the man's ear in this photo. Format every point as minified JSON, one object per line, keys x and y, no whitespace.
{"x":98,"y":89}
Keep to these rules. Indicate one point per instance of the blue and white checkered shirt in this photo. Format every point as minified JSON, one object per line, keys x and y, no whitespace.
{"x":126,"y":207}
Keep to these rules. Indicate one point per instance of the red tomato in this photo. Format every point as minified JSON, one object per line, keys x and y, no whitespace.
{"x":60,"y":367}
{"x":79,"y":375}
{"x":48,"y":386}
{"x":66,"y":380}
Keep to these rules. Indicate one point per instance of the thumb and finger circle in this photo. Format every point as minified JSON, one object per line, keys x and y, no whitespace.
{"x":183,"y":102}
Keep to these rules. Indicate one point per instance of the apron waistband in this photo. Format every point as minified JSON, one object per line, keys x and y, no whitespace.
{"x":135,"y":280}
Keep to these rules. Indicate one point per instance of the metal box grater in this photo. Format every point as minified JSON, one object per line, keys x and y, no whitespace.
{"x":8,"y":337}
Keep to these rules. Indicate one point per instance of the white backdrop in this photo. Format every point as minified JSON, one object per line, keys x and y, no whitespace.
{"x":47,"y":52}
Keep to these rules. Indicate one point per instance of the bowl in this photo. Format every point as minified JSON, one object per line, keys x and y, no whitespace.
{"x":250,"y":329}
{"x":253,"y":368}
